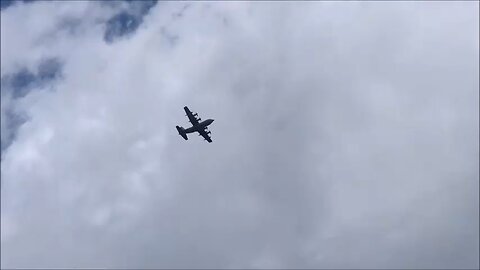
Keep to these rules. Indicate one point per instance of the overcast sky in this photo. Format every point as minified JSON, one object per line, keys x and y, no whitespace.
{"x":345,"y":134}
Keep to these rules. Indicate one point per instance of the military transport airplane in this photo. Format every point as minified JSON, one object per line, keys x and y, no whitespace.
{"x":197,"y":126}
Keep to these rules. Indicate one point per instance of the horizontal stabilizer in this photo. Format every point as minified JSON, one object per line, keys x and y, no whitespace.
{"x":182,"y":132}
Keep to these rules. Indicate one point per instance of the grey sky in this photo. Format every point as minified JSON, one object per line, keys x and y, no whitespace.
{"x":345,"y":135}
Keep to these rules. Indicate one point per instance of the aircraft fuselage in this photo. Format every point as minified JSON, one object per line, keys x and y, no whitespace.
{"x":200,"y":126}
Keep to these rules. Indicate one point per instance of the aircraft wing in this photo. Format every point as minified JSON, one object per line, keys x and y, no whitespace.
{"x":204,"y":133}
{"x":191,"y":116}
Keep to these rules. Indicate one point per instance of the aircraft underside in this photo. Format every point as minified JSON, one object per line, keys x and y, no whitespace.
{"x":197,"y":126}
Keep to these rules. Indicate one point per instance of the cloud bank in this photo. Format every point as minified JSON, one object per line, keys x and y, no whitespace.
{"x":345,"y":135}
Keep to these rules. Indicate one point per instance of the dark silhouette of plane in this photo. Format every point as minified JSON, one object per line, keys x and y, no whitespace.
{"x":197,"y":126}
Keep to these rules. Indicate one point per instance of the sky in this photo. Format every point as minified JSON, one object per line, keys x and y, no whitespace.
{"x":345,"y":134}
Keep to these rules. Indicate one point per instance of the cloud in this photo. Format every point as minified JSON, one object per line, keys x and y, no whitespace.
{"x":345,"y":135}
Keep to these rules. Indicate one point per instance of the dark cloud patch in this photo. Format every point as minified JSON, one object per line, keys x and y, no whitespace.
{"x":19,"y":85}
{"x":7,"y":3}
{"x":144,"y":6}
{"x":49,"y":69}
{"x":13,"y":121}
{"x":120,"y":25}
{"x":22,"y":82}
{"x":126,"y":23}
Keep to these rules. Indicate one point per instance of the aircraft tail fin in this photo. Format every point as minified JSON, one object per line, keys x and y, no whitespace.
{"x":182,"y":132}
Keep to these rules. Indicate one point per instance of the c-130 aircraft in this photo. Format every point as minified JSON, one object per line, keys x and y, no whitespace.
{"x":197,"y":126}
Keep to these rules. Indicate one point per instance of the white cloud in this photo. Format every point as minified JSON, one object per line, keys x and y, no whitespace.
{"x":345,"y":136}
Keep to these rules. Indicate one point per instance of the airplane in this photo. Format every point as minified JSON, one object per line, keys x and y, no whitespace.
{"x":197,"y":126}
